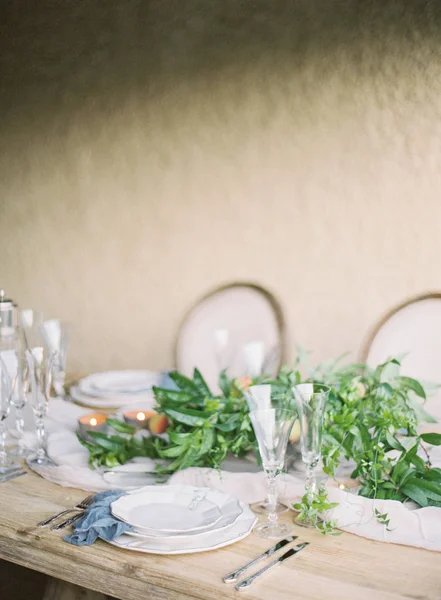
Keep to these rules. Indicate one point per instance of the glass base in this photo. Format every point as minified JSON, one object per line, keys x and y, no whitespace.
{"x":34,"y":461}
{"x":8,"y":467}
{"x":302,"y":522}
{"x":270,"y":531}
{"x":18,"y":452}
{"x":262,"y":508}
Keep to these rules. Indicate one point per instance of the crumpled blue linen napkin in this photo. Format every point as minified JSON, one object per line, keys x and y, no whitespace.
{"x":98,"y":521}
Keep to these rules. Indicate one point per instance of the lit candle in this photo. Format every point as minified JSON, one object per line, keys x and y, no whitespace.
{"x":92,"y":422}
{"x":138,"y":418}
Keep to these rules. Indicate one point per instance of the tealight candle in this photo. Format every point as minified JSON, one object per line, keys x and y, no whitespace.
{"x":92,"y":422}
{"x":138,"y":418}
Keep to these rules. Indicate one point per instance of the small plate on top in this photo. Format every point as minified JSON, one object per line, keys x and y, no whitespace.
{"x":120,"y":383}
{"x":167,"y":508}
{"x":114,"y":401}
{"x":231,"y":511}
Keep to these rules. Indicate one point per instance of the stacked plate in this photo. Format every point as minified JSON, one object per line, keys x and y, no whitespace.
{"x":115,"y":389}
{"x":181,"y":519}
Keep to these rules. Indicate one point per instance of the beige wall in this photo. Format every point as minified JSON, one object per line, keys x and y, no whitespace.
{"x":153,"y":150}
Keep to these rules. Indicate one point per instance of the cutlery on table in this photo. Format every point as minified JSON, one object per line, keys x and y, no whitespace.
{"x":232,"y":577}
{"x":12,"y":475}
{"x":80,"y":506}
{"x":245,"y":583}
{"x":68,"y":522}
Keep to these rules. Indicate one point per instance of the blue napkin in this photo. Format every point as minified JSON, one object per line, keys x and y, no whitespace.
{"x":98,"y":521}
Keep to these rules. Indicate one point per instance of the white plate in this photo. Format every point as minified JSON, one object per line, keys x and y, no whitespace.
{"x":168,"y":508}
{"x":120,"y":383}
{"x":147,"y":399}
{"x":231,"y":510}
{"x":203,"y":542}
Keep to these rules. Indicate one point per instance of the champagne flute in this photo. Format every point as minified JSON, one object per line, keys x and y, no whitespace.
{"x":40,"y":366}
{"x":311,"y":400}
{"x":17,"y":371}
{"x":6,"y":390}
{"x":265,"y":396}
{"x":272,"y":427}
{"x":224,"y":351}
{"x":56,"y":336}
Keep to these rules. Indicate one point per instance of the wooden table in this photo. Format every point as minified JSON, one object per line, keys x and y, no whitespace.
{"x":341,"y":568}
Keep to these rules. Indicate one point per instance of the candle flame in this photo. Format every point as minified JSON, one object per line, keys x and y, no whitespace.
{"x":342,"y":486}
{"x":140,"y":416}
{"x":93,"y":422}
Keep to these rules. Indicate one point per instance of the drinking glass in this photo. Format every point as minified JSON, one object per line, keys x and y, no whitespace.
{"x":311,"y":400}
{"x":6,"y":391}
{"x":56,"y":336}
{"x":224,"y":348}
{"x":262,"y":397}
{"x":272,"y":427}
{"x":16,"y":367}
{"x":40,"y":366}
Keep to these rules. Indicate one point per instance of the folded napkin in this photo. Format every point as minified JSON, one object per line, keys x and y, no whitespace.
{"x":98,"y":521}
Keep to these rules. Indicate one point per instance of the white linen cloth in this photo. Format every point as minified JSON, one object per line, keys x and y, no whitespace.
{"x":413,"y":527}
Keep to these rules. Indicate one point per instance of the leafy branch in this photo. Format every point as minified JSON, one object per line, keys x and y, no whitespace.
{"x":203,"y":428}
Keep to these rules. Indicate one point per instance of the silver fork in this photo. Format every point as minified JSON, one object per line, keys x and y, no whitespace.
{"x":80,"y":506}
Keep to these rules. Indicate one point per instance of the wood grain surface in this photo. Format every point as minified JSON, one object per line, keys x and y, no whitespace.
{"x":331,"y":568}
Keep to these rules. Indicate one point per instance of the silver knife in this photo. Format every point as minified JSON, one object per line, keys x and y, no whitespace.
{"x":232,"y":577}
{"x":245,"y":583}
{"x":12,"y":476}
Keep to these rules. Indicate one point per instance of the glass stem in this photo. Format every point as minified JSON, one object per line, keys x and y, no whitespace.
{"x":272,"y":498}
{"x":58,"y":382}
{"x":3,"y":455}
{"x":311,"y":483}
{"x":19,"y":425}
{"x":41,"y":435}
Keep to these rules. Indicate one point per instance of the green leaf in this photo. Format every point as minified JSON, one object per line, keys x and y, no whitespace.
{"x":393,"y":442}
{"x":185,"y":384}
{"x":431,"y":438}
{"x":431,"y":489}
{"x":201,"y":383}
{"x":120,"y":427}
{"x":224,"y":383}
{"x":179,"y":438}
{"x":433,"y":474}
{"x":225,"y":427}
{"x":105,"y":441}
{"x":414,"y":492}
{"x":188,"y":416}
{"x":414,"y":385}
{"x":172,"y":452}
{"x":384,"y":391}
{"x":163,"y":396}
{"x":208,"y":438}
{"x":83,"y":442}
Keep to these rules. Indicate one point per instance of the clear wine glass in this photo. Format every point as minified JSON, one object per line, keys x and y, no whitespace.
{"x":311,"y":401}
{"x":40,"y":365}
{"x":272,"y":427}
{"x":262,"y":397}
{"x":56,"y":336}
{"x":6,"y":390}
{"x":16,"y":367}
